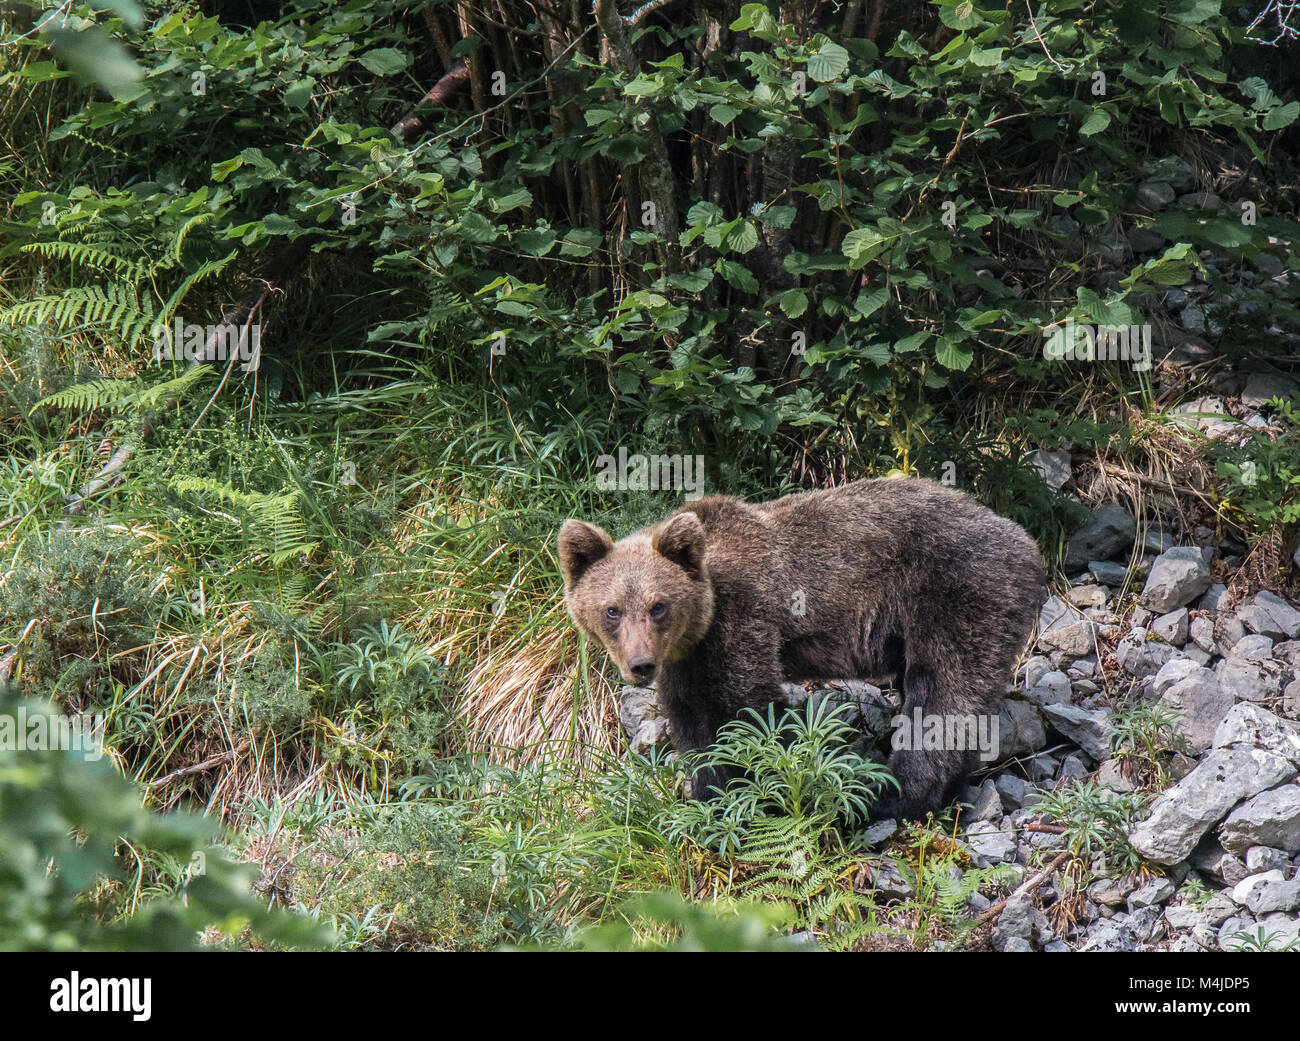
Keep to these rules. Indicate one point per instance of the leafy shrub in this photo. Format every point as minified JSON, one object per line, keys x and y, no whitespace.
{"x":63,"y":816}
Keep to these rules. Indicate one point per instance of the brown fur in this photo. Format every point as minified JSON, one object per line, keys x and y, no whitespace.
{"x":901,"y":578}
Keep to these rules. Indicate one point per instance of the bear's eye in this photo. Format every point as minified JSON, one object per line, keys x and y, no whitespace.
{"x":658,"y":609}
{"x":613,"y":614}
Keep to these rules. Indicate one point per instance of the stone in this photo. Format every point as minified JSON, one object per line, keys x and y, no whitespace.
{"x":1271,"y":818}
{"x":986,"y":803}
{"x":1201,"y":631}
{"x":1090,"y":729}
{"x":1054,"y":466}
{"x":1013,"y":790}
{"x":1185,"y":812}
{"x":1262,"y":386}
{"x":988,"y":841}
{"x":1235,"y":933}
{"x":1177,"y":577}
{"x":1251,"y":680}
{"x":1139,"y":656}
{"x":1155,"y":195}
{"x":1053,"y":688}
{"x":1155,"y":892}
{"x":1172,"y":627}
{"x":1108,"y":573}
{"x":1087,"y":595}
{"x":1201,"y":703}
{"x":1284,"y":619}
{"x":1174,"y":671}
{"x":643,"y":720}
{"x":1252,"y":727}
{"x":1021,"y":926}
{"x":1266,"y":858}
{"x":1110,"y":529}
{"x":1210,"y":601}
{"x":1020,"y":729}
{"x":1267,"y":892}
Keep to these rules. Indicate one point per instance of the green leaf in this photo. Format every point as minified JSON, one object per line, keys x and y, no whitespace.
{"x":724,"y":114}
{"x":829,"y":63}
{"x":953,"y":354}
{"x":384,"y":61}
{"x":96,"y":56}
{"x":1095,"y":123}
{"x":794,"y":302}
{"x":1282,"y":116}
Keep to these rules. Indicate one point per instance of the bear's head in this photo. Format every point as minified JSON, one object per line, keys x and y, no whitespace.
{"x":647,"y":598}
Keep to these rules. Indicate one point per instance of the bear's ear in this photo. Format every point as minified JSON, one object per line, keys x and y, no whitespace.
{"x":682,"y":542}
{"x":581,"y":545}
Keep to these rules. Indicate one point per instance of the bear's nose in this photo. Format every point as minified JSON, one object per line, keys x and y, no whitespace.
{"x":642,"y":669}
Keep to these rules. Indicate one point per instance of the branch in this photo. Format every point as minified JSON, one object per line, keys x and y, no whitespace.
{"x":412,"y":125}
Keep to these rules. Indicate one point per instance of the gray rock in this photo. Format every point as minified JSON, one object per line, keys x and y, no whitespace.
{"x":889,"y":882}
{"x":1110,"y":892}
{"x":1201,"y":703}
{"x":1288,"y":652}
{"x":1280,"y":931}
{"x":1074,"y":768}
{"x":1252,"y":648}
{"x":1035,"y":669}
{"x":1291,"y":700}
{"x":1020,"y":729}
{"x":1111,"y":936}
{"x":1139,"y":656}
{"x":1210,"y":601}
{"x":1267,"y":892}
{"x":1087,"y":595}
{"x":1054,"y":466}
{"x":1251,"y":680}
{"x":1110,"y":529}
{"x":1013,"y":790}
{"x":1181,"y":815}
{"x":1172,"y":627}
{"x":1201,"y":631}
{"x":879,"y":832}
{"x":1266,"y":858}
{"x":986,"y":803}
{"x":1108,"y":573}
{"x":1271,"y":818}
{"x":1052,"y":689}
{"x":990,"y":842}
{"x":1155,"y":195}
{"x":1174,"y":671}
{"x":1261,"y":386}
{"x":1021,"y":926}
{"x":1089,"y":729}
{"x":1283,"y":619}
{"x":643,"y":720}
{"x":1155,"y":892}
{"x":1234,"y":932}
{"x":1177,"y":577}
{"x":1109,"y":775}
{"x":1249,"y":726}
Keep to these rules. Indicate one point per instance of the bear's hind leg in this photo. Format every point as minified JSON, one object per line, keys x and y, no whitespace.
{"x":929,"y":778}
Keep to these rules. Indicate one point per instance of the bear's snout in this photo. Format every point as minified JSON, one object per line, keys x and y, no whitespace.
{"x":642,"y":669}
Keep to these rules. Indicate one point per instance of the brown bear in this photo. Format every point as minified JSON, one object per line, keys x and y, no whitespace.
{"x":724,"y":600}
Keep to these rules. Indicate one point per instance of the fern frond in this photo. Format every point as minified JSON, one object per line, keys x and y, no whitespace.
{"x":89,"y":254}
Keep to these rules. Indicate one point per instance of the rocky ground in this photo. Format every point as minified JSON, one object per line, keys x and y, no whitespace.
{"x":1147,"y":678}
